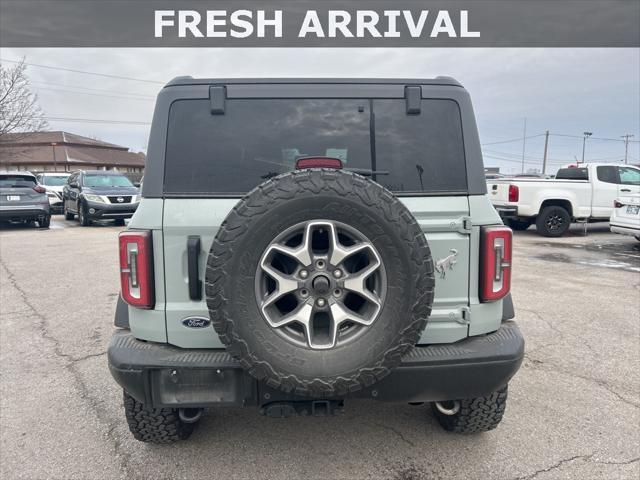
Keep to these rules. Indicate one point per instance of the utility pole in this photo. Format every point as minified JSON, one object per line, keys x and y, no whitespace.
{"x":544,"y":157}
{"x":524,"y":142}
{"x":626,"y":145}
{"x":584,"y":142}
{"x":55,"y":163}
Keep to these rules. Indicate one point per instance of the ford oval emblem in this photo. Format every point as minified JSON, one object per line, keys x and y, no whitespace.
{"x":196,"y":322}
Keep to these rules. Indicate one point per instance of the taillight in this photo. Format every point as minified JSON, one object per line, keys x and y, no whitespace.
{"x":495,"y":268}
{"x":318,"y":162}
{"x":514,"y":193}
{"x":40,"y":189}
{"x":136,"y":268}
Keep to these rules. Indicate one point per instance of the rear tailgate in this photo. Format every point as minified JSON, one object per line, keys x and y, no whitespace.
{"x":444,"y":220}
{"x":498,"y":191}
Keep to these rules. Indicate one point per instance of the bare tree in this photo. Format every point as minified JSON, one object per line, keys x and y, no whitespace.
{"x":19,"y":110}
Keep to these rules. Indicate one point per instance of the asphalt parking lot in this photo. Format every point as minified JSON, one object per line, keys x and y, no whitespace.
{"x":573,"y":408}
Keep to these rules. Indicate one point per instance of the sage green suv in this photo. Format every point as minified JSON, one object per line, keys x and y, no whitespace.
{"x":303,"y":242}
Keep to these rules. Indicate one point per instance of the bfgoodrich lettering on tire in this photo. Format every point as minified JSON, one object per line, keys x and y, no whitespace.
{"x":319,"y":281}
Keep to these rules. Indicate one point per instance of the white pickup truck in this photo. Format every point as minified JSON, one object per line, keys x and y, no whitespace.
{"x":584,"y":192}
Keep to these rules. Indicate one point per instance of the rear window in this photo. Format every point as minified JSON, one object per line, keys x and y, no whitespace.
{"x":17,"y":181}
{"x":255,"y":140}
{"x":572,"y":174}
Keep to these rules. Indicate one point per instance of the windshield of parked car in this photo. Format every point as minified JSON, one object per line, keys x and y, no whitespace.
{"x":107,"y":181}
{"x":17,"y":181}
{"x":256,"y":139}
{"x":54,"y":180}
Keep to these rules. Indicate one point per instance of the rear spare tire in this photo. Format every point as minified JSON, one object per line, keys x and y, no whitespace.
{"x":319,"y":281}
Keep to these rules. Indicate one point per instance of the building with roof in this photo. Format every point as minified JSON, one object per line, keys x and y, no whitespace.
{"x":65,"y":152}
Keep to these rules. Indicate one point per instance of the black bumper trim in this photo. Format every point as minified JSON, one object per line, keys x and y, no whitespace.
{"x":507,"y":211}
{"x":469,"y":368}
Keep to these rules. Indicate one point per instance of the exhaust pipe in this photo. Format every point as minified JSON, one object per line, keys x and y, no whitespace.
{"x":452,"y":407}
{"x":190,"y":415}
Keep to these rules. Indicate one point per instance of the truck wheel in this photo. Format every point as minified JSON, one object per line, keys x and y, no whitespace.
{"x":472,"y":415}
{"x":519,"y":223}
{"x":553,"y":221}
{"x":44,"y":222}
{"x":154,"y":425}
{"x":319,"y":281}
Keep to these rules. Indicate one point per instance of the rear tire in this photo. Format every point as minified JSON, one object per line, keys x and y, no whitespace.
{"x":475,"y":415}
{"x":154,"y":425}
{"x":518,"y":224}
{"x":553,"y":221}
{"x":44,"y":223}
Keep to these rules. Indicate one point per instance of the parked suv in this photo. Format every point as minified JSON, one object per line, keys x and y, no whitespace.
{"x":303,"y":242}
{"x":99,"y":195}
{"x":53,"y":183}
{"x":23,"y":200}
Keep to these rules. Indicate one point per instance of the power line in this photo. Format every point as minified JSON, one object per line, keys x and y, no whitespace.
{"x":519,"y":139}
{"x":117,"y":92}
{"x":95,"y":94}
{"x":96,"y":120}
{"x":72,"y":70}
{"x":581,"y":137}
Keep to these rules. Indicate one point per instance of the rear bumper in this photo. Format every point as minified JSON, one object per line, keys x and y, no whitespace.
{"x":625,"y":230}
{"x":26,"y":212}
{"x":165,"y":376}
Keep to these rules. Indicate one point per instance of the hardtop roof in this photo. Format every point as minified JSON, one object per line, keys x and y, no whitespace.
{"x":440,"y":80}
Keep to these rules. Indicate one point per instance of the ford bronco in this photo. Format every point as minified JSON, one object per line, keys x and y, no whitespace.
{"x":303,"y":242}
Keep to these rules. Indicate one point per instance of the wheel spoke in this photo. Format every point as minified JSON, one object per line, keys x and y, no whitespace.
{"x":285,"y":284}
{"x":341,"y":314}
{"x":356,"y":282}
{"x":300,"y":254}
{"x":302,"y":315}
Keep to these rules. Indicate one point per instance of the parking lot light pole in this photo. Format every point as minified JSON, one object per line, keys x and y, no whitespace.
{"x":584,"y":142}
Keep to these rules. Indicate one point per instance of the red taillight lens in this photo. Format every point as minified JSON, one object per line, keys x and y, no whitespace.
{"x":318,"y":162}
{"x":514,"y":193}
{"x":495,"y":271}
{"x":136,"y":268}
{"x":40,"y":189}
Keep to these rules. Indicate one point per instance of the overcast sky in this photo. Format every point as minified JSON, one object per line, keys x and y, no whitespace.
{"x":567,"y":91}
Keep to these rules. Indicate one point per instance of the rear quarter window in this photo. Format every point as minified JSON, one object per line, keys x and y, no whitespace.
{"x":256,"y":139}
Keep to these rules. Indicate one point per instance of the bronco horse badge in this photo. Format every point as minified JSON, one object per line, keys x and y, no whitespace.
{"x":447,"y":263}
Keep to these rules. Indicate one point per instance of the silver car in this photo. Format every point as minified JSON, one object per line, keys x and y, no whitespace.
{"x":23,"y":200}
